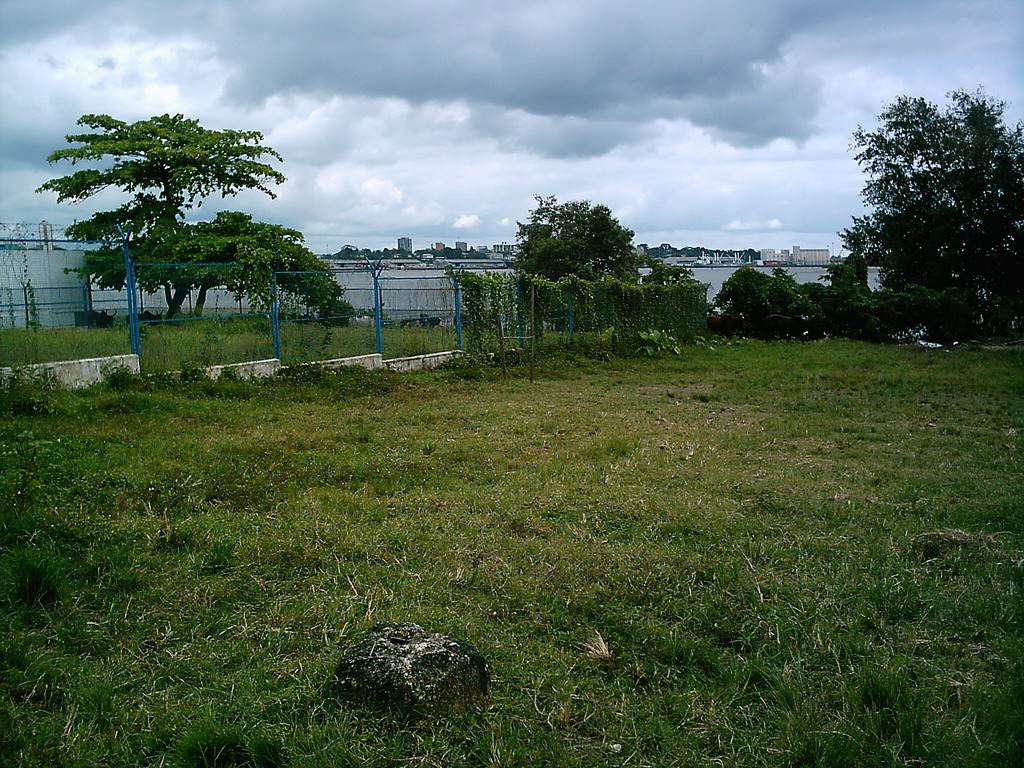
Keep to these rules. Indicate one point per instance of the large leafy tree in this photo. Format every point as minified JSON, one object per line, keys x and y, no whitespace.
{"x":946,"y":191}
{"x":167,"y":165}
{"x":233,"y":251}
{"x":575,"y":238}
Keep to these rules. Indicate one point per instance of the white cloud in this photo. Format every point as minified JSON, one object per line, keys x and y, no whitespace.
{"x":752,"y":226}
{"x":466,"y":221}
{"x":380,"y":192}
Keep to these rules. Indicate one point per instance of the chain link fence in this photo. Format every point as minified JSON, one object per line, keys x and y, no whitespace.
{"x":176,"y":316}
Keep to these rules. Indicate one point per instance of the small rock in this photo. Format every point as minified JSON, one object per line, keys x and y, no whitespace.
{"x":405,"y":667}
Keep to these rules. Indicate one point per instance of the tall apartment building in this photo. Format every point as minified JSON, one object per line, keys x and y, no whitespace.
{"x":405,"y":244}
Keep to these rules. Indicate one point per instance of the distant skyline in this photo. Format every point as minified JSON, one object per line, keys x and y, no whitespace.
{"x":720,"y":124}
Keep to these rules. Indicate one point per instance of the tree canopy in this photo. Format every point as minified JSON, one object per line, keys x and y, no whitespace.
{"x":575,"y":238}
{"x":167,"y":164}
{"x":946,"y":189}
{"x":231,"y":251}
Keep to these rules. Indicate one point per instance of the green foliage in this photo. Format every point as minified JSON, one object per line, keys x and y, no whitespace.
{"x":844,"y":305}
{"x":575,"y":238}
{"x":665,"y":274}
{"x":755,"y":295}
{"x":231,"y":251}
{"x":240,"y":254}
{"x":678,"y":308}
{"x":22,"y":393}
{"x":167,"y":164}
{"x":25,"y":460}
{"x":490,"y":310}
{"x":946,"y":188}
{"x":655,"y":343}
{"x":628,"y":308}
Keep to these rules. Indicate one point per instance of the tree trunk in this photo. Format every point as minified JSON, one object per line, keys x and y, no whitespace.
{"x":174,"y":302}
{"x":197,"y":310}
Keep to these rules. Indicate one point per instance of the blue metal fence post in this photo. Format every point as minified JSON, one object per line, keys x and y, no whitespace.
{"x":376,"y":312}
{"x":275,"y":315}
{"x":134,"y":337}
{"x":458,"y":314}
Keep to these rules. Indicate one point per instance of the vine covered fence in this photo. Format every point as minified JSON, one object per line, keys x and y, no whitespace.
{"x":226,"y":313}
{"x":497,"y":309}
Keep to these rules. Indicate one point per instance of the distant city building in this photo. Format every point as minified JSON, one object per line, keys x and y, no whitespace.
{"x":439,"y":246}
{"x":503,"y":248}
{"x":405,"y":244}
{"x":461,"y":245}
{"x":800,"y":255}
{"x":797,"y":256}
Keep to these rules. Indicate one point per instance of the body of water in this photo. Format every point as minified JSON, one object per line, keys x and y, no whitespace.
{"x":714,"y":276}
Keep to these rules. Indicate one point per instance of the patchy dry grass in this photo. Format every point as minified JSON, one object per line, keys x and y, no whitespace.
{"x":758,"y":555}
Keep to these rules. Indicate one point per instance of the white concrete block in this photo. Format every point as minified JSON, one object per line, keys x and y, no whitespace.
{"x":75,"y":374}
{"x":415,"y":362}
{"x":254,"y":369}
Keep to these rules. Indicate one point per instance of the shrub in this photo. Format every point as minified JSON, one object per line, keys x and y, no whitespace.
{"x":23,"y":395}
{"x":755,"y":295}
{"x":654,"y":343}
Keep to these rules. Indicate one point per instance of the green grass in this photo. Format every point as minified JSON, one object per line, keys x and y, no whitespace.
{"x":170,"y":346}
{"x":191,"y":342}
{"x":25,"y":346}
{"x":797,"y":554}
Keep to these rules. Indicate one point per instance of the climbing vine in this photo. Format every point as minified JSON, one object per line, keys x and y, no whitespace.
{"x":575,"y":309}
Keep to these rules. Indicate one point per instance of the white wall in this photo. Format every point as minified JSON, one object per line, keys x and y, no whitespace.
{"x":43,"y":273}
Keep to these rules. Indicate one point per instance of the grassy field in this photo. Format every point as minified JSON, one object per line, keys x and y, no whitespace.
{"x":797,"y":555}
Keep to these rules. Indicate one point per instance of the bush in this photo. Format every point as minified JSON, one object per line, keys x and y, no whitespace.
{"x":755,"y":295}
{"x":24,"y":395}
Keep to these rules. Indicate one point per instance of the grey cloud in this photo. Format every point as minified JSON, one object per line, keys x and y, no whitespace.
{"x":549,"y":58}
{"x":552,"y":58}
{"x":553,"y":136}
{"x":780,"y":107}
{"x":594,"y":62}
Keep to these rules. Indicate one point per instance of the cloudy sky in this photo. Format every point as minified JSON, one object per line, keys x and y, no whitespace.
{"x":722,"y":123}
